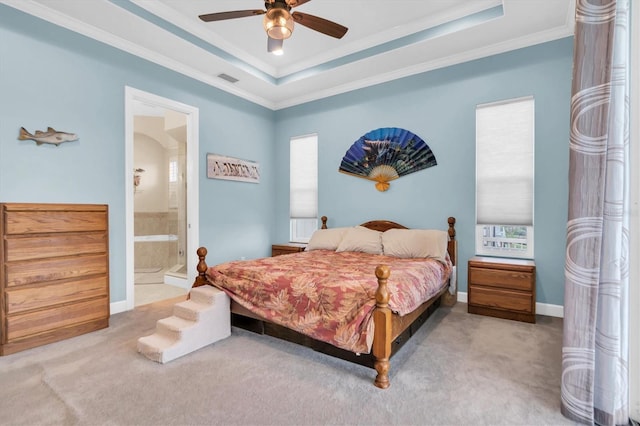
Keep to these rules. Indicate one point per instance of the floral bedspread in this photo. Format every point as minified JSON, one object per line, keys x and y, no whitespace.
{"x":327,"y":295}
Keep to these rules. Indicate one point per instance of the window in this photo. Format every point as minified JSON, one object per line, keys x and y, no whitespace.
{"x":504,"y":178}
{"x":173,"y":171}
{"x":303,"y":187}
{"x":173,"y":184}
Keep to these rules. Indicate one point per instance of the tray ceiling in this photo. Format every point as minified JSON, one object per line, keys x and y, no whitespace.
{"x":386,"y":39}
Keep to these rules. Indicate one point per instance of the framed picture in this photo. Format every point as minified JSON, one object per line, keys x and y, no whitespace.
{"x":229,"y":168}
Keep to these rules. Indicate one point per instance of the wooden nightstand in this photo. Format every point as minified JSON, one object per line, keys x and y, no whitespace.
{"x":288,"y":248}
{"x":503,"y":288}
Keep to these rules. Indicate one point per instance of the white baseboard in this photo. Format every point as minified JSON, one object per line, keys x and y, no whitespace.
{"x":117,"y":307}
{"x":541,"y":308}
{"x":550,"y":310}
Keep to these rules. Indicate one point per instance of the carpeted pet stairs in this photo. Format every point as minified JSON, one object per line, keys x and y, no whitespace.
{"x":203,"y":319}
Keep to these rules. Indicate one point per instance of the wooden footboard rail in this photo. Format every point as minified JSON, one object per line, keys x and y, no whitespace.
{"x":385,"y":330}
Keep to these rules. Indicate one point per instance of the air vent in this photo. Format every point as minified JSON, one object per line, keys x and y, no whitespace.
{"x":227,"y":77}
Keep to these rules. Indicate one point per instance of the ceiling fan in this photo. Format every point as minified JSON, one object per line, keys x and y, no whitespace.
{"x":278,"y":21}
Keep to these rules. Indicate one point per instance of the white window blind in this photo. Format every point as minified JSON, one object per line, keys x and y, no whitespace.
{"x":173,"y":171}
{"x":303,"y":189}
{"x":504,"y":162}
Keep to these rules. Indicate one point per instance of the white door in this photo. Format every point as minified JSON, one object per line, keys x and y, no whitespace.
{"x":134,"y":101}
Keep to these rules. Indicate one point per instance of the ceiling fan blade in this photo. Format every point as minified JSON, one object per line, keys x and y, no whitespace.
{"x":296,"y":3}
{"x":320,"y":24}
{"x":221,"y":16}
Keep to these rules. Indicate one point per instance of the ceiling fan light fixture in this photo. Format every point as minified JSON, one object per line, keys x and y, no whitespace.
{"x":278,"y":23}
{"x":275,"y":46}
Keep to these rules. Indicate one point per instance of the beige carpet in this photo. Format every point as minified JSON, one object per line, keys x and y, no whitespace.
{"x":459,"y":369}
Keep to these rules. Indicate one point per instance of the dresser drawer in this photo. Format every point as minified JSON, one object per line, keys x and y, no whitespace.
{"x":515,"y":280}
{"x":501,"y":299}
{"x":35,"y":222}
{"x":54,"y":245}
{"x":23,"y":325}
{"x":20,"y":299}
{"x":34,"y":271}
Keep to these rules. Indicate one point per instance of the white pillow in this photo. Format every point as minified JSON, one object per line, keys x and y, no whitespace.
{"x":415,"y":243}
{"x":361,"y":239}
{"x":326,"y":239}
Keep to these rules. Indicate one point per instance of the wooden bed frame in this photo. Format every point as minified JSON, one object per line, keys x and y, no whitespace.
{"x":391,"y":331}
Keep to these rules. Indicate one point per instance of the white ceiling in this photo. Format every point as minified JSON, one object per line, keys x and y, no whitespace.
{"x":386,"y":39}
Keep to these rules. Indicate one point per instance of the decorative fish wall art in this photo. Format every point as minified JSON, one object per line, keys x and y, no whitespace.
{"x":51,"y":136}
{"x":385,"y":154}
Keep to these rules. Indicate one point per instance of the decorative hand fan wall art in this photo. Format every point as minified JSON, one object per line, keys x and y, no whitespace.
{"x":385,"y":154}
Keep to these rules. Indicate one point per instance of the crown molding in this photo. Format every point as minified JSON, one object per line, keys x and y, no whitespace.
{"x":40,"y":11}
{"x":43,"y":12}
{"x":483,"y":52}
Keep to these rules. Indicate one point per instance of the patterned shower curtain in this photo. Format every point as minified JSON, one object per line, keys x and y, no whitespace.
{"x":595,"y":347}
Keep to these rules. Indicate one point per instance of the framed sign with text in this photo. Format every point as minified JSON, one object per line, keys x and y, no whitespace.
{"x":229,"y":168}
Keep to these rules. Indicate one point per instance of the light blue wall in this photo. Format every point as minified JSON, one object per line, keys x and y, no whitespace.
{"x":439,"y":106}
{"x":53,"y":77}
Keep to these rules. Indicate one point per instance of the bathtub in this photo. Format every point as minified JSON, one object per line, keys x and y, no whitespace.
{"x":155,"y":251}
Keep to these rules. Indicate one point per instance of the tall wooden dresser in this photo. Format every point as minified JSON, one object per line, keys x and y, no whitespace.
{"x":54,"y":273}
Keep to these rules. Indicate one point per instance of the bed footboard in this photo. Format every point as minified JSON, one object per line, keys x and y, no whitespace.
{"x":382,"y":336}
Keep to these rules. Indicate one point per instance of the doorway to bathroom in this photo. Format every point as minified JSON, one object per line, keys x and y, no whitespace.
{"x":162,"y":204}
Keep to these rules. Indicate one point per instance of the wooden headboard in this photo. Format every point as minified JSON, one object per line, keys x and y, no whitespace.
{"x":384,"y":225}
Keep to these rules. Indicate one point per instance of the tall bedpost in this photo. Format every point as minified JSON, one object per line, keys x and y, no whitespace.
{"x":447,"y":298}
{"x":324,"y":222}
{"x":201,"y":278}
{"x":453,"y":246}
{"x":382,"y":328}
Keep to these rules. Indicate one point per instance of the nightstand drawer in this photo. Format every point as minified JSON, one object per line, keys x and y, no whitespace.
{"x":280,"y":249}
{"x":514,"y":280}
{"x":501,"y":299}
